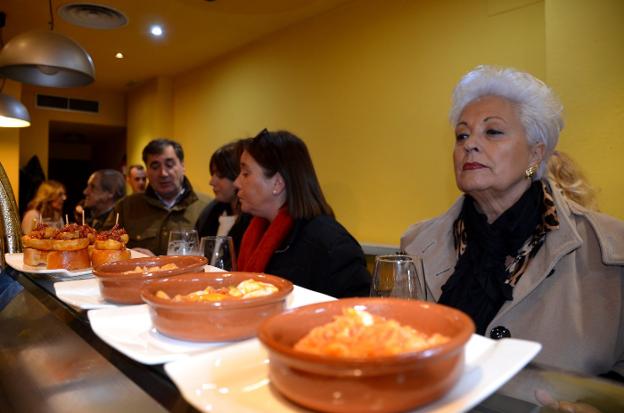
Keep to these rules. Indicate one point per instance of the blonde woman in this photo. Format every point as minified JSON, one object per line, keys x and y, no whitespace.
{"x":46,"y":205}
{"x":565,"y":173}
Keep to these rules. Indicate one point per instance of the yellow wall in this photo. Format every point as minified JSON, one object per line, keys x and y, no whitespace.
{"x":150,"y":115}
{"x":585,"y":65}
{"x":9,"y":142}
{"x":34,"y":139}
{"x":367,"y":86}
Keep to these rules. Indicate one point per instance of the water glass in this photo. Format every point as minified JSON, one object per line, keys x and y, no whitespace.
{"x":398,"y":276}
{"x":183,"y":242}
{"x":219,"y":250}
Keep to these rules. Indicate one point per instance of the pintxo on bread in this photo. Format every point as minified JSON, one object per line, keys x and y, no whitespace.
{"x":70,"y":248}
{"x":37,"y":245}
{"x":110,"y":246}
{"x":73,"y":247}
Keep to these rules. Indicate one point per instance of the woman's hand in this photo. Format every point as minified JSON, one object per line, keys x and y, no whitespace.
{"x":547,"y":400}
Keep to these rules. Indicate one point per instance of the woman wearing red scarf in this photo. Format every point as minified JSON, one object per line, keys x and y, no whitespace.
{"x":293,"y":233}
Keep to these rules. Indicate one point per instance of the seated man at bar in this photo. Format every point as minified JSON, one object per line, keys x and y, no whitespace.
{"x":104,"y":188}
{"x":168,"y":203}
{"x":137,"y":179}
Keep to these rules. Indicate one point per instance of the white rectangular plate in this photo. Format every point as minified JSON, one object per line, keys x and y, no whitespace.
{"x":85,"y":294}
{"x":129,"y":329}
{"x":16,"y":261}
{"x":234,"y":378}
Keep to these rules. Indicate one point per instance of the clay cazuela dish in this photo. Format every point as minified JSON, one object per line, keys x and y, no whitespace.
{"x":387,"y":383}
{"x":220,"y":320}
{"x":121,"y":281}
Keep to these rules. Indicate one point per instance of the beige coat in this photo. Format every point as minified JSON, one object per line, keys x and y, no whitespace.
{"x":571,"y":297}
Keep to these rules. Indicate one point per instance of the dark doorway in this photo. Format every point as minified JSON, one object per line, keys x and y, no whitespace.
{"x":76,"y":150}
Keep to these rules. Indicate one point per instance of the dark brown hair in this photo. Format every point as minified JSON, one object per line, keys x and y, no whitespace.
{"x":224,"y":162}
{"x":283,"y":152}
{"x":158,"y":146}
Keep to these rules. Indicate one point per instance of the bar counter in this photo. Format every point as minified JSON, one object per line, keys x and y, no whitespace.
{"x":51,"y":361}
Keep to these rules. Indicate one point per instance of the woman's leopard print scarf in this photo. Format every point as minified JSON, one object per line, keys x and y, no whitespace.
{"x":515,"y":266}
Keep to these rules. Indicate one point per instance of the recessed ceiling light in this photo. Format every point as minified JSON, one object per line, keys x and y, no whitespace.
{"x":93,"y":16}
{"x":119,"y":55}
{"x":156,"y":30}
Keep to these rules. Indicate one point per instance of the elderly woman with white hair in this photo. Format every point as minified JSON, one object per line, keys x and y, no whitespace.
{"x":522,"y":260}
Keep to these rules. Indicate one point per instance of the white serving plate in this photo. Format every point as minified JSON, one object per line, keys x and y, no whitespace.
{"x":82,"y":294}
{"x":85,"y":294}
{"x":129,"y":329}
{"x":234,"y":378}
{"x":16,"y":261}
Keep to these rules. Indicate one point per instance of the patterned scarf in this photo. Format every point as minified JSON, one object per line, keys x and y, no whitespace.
{"x":261,"y":239}
{"x":493,"y":257}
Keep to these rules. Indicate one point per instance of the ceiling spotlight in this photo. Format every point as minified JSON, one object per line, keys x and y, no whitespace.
{"x":119,"y":55}
{"x":156,"y":30}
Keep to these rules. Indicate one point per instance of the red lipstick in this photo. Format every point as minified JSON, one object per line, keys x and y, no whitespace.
{"x":469,"y":166}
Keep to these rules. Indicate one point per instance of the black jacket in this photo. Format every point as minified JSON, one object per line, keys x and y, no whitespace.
{"x":208,"y":222}
{"x":321,"y":255}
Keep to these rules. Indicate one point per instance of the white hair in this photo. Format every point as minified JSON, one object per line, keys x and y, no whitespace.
{"x":539,"y":109}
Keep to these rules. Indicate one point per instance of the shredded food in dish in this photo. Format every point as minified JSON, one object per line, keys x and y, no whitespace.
{"x":139,"y":270}
{"x":245,"y":289}
{"x":359,"y":334}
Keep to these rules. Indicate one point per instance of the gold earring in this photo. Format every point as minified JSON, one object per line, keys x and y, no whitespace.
{"x":530,"y":171}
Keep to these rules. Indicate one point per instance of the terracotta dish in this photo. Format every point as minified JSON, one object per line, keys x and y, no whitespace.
{"x":119,"y":285}
{"x":383,"y":384}
{"x":226,"y":320}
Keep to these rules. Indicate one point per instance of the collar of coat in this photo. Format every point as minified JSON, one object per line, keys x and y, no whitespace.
{"x":188,"y":197}
{"x":433,"y":240}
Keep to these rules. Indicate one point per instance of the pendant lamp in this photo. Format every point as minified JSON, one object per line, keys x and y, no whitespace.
{"x":46,"y":58}
{"x":12,"y":113}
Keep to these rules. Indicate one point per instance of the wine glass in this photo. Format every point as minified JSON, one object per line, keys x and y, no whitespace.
{"x":398,"y":276}
{"x":183,"y":242}
{"x":219,"y":250}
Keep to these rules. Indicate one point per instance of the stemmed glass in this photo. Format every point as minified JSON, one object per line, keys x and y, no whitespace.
{"x":398,"y":276}
{"x":219,"y":250}
{"x":183,"y":242}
